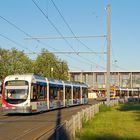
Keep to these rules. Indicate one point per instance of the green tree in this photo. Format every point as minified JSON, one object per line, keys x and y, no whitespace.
{"x":20,"y":62}
{"x":4,"y":62}
{"x":14,"y":62}
{"x":48,"y":65}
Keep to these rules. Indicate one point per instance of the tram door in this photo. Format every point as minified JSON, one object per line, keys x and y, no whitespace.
{"x":76,"y":95}
{"x":68,"y":97}
{"x":85,"y":95}
{"x":39,"y":97}
{"x":56,"y":96}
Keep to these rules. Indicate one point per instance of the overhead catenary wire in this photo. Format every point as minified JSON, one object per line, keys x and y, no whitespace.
{"x":18,"y":44}
{"x":63,"y":37}
{"x":71,"y":52}
{"x":91,"y":62}
{"x":70,"y":27}
{"x":46,"y":17}
{"x":15,"y":26}
{"x":24,"y":32}
{"x":74,"y":36}
{"x":14,"y":42}
{"x":52,"y":24}
{"x":67,"y":37}
{"x":27,"y":34}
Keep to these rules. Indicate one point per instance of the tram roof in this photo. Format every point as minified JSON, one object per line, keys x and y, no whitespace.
{"x":18,"y":77}
{"x":54,"y":81}
{"x":27,"y":77}
{"x":67,"y":82}
{"x":79,"y":84}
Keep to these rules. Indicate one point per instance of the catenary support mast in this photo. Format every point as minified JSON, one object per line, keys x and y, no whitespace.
{"x":108,"y":54}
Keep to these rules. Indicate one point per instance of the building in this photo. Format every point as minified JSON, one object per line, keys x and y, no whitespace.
{"x":123,"y":82}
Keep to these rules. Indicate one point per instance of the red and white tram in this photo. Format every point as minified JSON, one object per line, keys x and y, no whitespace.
{"x":31,"y":93}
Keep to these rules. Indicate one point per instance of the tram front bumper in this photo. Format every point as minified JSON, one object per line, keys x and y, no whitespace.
{"x":9,"y":110}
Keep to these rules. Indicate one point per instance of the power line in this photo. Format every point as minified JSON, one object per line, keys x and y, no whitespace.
{"x":76,"y":52}
{"x":75,"y":37}
{"x":55,"y":27}
{"x":15,"y":26}
{"x":27,"y":34}
{"x":52,"y":24}
{"x":22,"y":31}
{"x":14,"y":42}
{"x":69,"y":26}
{"x":68,"y":37}
{"x":91,"y":62}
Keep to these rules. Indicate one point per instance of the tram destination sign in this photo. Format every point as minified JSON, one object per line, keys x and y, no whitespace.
{"x":17,"y":83}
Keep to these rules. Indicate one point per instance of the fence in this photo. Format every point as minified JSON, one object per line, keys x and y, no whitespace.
{"x":75,"y":123}
{"x":69,"y":129}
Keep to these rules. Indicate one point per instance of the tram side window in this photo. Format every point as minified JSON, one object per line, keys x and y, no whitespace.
{"x":34,"y":93}
{"x":87,"y":92}
{"x":51,"y":94}
{"x":60,"y":93}
{"x":55,"y":93}
{"x":84,"y":93}
{"x":45,"y":92}
{"x":68,"y":93}
{"x":39,"y":92}
{"x":76,"y":93}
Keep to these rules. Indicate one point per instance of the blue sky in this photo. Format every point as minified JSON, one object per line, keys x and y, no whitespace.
{"x":85,"y":17}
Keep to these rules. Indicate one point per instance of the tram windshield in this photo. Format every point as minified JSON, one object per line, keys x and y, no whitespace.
{"x":16,"y":91}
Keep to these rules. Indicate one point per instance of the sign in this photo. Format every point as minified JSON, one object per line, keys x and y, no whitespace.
{"x":16,"y":83}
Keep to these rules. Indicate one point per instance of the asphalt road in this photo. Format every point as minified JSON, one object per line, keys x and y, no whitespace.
{"x":32,"y":126}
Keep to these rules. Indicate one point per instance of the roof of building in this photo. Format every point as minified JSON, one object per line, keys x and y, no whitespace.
{"x":98,"y":71}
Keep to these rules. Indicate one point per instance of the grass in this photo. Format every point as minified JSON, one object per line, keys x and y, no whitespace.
{"x":116,"y":123}
{"x":104,"y":108}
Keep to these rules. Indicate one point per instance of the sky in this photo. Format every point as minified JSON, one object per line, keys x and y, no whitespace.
{"x":21,"y":21}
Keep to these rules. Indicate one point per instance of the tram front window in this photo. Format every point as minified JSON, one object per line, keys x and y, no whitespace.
{"x":16,"y":93}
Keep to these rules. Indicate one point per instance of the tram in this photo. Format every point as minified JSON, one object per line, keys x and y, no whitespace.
{"x":32,"y":93}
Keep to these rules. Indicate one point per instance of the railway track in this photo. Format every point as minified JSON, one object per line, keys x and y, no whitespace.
{"x":36,"y":126}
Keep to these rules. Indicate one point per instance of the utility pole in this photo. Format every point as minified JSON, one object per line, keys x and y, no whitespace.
{"x":108,"y":54}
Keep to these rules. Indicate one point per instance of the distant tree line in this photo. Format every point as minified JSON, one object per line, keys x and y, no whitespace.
{"x":47,"y":64}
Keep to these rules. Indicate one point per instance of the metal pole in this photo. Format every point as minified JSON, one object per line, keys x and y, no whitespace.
{"x":62,"y":71}
{"x":108,"y":54}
